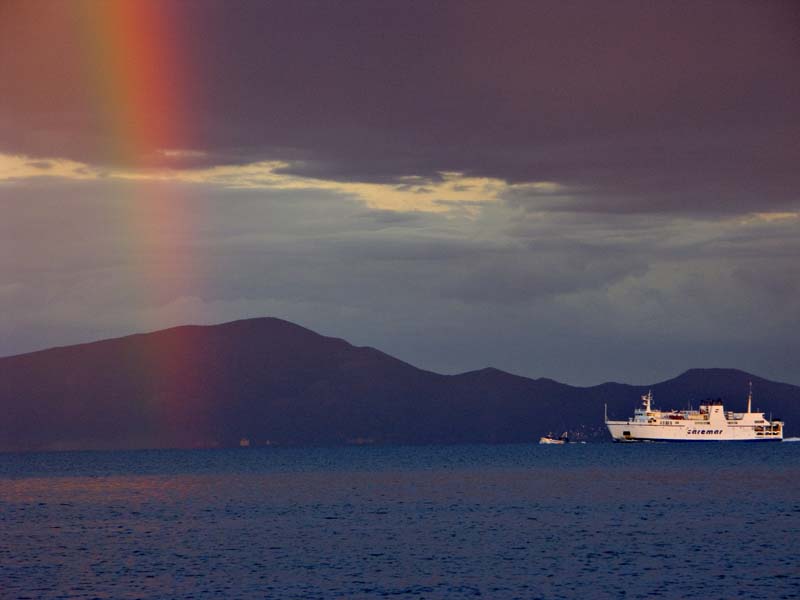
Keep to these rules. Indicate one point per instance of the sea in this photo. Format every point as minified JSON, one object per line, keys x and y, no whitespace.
{"x":493,"y":521}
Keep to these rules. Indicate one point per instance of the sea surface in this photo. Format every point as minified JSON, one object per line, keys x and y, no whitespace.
{"x":516,"y":521}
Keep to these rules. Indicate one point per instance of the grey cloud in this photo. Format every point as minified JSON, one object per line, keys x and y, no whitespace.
{"x":390,"y":218}
{"x":543,"y":276}
{"x":535,"y":294}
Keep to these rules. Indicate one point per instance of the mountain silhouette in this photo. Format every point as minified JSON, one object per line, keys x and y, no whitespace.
{"x":269,"y":381}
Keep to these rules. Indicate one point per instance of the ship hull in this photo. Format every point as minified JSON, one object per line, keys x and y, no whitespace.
{"x":625,"y":431}
{"x":674,"y":441}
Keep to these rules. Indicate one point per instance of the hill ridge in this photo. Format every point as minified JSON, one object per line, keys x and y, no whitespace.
{"x":272,"y":381}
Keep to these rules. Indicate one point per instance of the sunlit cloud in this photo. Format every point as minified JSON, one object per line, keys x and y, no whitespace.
{"x":776,"y":216}
{"x":14,"y":166}
{"x":408,"y":194}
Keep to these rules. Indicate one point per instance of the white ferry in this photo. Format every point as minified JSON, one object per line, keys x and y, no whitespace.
{"x":711,"y":423}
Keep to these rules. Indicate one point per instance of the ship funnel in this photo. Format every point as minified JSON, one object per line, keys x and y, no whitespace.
{"x":750,"y":398}
{"x":647,"y":399}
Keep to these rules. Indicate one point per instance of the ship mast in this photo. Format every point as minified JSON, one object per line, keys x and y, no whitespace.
{"x":750,"y":398}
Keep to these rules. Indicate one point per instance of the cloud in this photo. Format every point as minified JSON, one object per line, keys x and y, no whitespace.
{"x":42,"y":165}
{"x":531,"y":292}
{"x":633,"y":107}
{"x":440,"y":194}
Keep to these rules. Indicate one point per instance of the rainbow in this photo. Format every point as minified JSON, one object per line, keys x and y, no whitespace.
{"x":134,"y":62}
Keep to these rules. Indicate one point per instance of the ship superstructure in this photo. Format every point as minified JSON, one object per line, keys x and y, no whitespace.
{"x":710,"y":423}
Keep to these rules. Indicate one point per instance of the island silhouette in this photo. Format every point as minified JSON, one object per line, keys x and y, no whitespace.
{"x":266,"y":381}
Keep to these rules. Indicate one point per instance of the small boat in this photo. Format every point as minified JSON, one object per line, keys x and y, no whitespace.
{"x":550,"y":439}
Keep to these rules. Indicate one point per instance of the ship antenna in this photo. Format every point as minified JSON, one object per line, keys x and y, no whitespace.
{"x":750,"y":398}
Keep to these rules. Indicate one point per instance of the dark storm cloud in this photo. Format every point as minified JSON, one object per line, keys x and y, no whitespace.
{"x":688,"y":173}
{"x":656,"y":107}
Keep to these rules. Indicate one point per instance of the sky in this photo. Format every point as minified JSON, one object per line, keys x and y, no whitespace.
{"x":586,"y":191}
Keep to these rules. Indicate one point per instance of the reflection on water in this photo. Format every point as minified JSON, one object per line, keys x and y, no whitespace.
{"x":456,"y":522}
